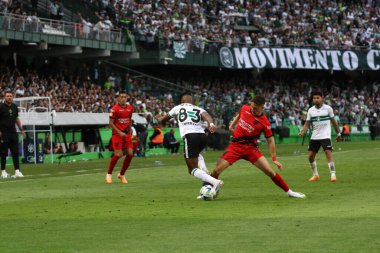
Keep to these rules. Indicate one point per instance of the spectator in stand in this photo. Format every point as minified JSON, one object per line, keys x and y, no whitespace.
{"x":99,"y":29}
{"x":58,"y":149}
{"x":54,"y":9}
{"x":87,"y":28}
{"x":73,"y":147}
{"x":107,"y":28}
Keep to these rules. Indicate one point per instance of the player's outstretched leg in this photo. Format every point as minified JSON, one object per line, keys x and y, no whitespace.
{"x":293,"y":194}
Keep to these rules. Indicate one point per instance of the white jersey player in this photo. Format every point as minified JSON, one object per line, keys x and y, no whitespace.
{"x":189,"y":119}
{"x":320,"y":117}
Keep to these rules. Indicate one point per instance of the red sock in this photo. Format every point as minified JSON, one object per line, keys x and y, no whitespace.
{"x":126,"y":163}
{"x":277,"y":179}
{"x":113,"y":162}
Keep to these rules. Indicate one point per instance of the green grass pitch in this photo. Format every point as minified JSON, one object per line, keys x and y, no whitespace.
{"x":69,"y":208}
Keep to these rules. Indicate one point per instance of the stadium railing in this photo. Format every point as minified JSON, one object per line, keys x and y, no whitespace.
{"x":24,"y":23}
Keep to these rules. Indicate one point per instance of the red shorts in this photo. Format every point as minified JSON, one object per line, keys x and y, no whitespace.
{"x":119,"y":143}
{"x":236,"y":152}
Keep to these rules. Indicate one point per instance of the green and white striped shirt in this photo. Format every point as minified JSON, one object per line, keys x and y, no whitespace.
{"x":320,"y":121}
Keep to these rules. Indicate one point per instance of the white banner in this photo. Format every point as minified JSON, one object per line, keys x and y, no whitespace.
{"x":298,"y":58}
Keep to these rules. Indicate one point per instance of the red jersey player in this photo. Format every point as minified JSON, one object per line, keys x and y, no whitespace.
{"x":251,"y":122}
{"x":120,"y":123}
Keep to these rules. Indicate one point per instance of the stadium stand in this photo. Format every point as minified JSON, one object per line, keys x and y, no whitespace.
{"x":86,"y":85}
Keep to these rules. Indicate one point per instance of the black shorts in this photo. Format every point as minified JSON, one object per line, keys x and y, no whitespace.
{"x":315,"y":145}
{"x":194,"y":143}
{"x":9,"y":142}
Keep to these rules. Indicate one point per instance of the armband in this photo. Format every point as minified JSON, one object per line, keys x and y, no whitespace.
{"x":274,"y":158}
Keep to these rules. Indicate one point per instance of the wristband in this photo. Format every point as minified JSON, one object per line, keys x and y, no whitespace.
{"x":212,"y":124}
{"x":338,"y":134}
{"x":274,"y":158}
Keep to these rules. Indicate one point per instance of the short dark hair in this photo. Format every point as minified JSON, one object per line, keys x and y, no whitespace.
{"x":122,"y":92}
{"x":8,"y":91}
{"x":317,"y":93}
{"x":184,"y":94}
{"x":259,"y":100}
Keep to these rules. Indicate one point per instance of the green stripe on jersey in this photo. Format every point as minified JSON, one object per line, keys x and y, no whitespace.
{"x":320,"y":118}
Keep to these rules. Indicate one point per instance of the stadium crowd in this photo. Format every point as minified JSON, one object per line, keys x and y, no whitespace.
{"x":323,"y":23}
{"x":287,"y":100}
{"x":204,"y":25}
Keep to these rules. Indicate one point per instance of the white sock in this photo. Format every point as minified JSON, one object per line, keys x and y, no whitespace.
{"x":203,"y":176}
{"x":332,"y":168}
{"x":202,"y":164}
{"x":314,"y":168}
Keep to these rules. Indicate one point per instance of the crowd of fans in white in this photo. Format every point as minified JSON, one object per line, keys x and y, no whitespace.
{"x":324,"y":23}
{"x":202,"y":25}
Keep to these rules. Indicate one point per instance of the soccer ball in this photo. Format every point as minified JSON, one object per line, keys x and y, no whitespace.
{"x":206,"y":192}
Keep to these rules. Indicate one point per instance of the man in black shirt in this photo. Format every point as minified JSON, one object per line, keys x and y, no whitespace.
{"x":8,"y":134}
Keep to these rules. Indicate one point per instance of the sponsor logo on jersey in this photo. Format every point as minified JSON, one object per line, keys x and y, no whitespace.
{"x":246,"y":126}
{"x":123,"y":121}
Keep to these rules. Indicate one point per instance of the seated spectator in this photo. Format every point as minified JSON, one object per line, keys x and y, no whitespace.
{"x":170,"y":142}
{"x":73,"y":147}
{"x":157,"y":137}
{"x":57,"y":149}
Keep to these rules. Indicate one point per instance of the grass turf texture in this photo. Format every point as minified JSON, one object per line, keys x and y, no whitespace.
{"x":69,"y":208}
